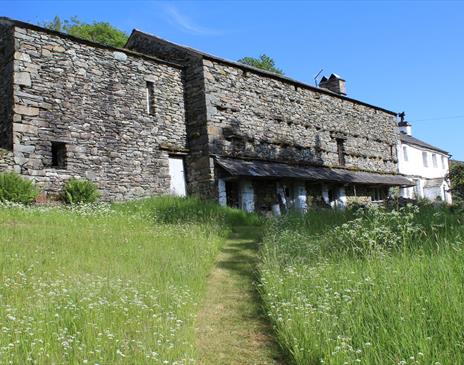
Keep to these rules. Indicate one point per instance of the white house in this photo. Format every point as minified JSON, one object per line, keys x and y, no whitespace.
{"x":427,"y":165}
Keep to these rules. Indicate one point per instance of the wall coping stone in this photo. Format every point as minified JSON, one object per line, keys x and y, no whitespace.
{"x":21,"y":24}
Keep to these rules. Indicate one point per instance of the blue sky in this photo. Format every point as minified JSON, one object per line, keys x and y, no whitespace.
{"x":398,"y":55}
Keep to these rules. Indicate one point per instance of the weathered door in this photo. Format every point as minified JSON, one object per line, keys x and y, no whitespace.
{"x":177,"y":174}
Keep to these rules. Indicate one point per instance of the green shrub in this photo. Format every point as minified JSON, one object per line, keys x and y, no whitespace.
{"x":14,"y":188}
{"x":80,"y":191}
{"x":375,"y":230}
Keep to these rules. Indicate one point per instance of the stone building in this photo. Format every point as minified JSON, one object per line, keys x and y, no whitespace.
{"x":261,"y":141}
{"x":426,"y":165}
{"x":72,"y":108}
{"x":131,"y":119}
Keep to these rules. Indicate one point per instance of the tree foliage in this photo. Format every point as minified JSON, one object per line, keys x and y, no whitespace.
{"x":100,"y":32}
{"x":456,"y":175}
{"x":263,"y":62}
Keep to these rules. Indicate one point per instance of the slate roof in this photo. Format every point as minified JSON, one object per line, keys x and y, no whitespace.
{"x":262,"y":169}
{"x":433,"y":183}
{"x":413,"y":140}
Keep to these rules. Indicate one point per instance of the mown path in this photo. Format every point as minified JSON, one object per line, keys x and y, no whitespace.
{"x":230,"y":326}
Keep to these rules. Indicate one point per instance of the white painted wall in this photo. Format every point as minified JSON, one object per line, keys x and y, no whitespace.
{"x":247,"y":196}
{"x":299,"y":190}
{"x":177,"y":175}
{"x":222,"y":193}
{"x":411,"y":163}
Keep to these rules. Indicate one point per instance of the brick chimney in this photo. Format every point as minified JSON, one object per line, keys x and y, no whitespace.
{"x":334,"y":83}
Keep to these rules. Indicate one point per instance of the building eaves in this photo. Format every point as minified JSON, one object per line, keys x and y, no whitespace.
{"x":21,"y":24}
{"x":259,"y":71}
{"x":417,"y":142}
{"x":273,"y":170}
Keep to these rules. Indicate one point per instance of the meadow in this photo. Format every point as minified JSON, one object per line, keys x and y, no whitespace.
{"x":366,"y":287}
{"x":106,"y":284}
{"x":124,"y":283}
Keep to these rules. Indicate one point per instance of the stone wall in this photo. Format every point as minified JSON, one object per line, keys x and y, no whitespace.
{"x":260,"y":117}
{"x":6,"y":86}
{"x":199,"y":166}
{"x":94,"y":99}
{"x":6,"y":160}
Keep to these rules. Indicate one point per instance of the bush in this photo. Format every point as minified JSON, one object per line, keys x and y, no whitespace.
{"x":14,"y":188}
{"x":377,"y":230}
{"x":80,"y":191}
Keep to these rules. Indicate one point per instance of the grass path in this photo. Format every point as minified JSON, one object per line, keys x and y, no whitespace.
{"x":230,"y":327}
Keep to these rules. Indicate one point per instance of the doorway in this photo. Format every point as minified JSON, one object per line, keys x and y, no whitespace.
{"x":177,"y":176}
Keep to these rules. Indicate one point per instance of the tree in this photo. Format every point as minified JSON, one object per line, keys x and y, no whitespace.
{"x":100,"y":32}
{"x":456,"y":175}
{"x":264,"y":62}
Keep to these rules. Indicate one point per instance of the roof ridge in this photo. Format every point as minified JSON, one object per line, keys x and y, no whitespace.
{"x":261,"y":71}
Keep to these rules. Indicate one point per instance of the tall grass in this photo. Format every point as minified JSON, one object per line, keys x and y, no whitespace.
{"x":374,"y":288}
{"x":106,"y":284}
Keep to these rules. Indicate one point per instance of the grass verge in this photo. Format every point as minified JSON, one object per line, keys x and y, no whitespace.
{"x":106,"y":284}
{"x":373,"y":288}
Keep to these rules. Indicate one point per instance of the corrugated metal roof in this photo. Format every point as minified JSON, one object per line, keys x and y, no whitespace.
{"x":413,"y":140}
{"x":262,"y":169}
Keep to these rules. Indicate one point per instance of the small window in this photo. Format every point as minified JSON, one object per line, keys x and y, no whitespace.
{"x":377,"y":194}
{"x":434,"y":160}
{"x":59,"y":155}
{"x":341,"y":151}
{"x":425,"y":159}
{"x":443,"y":166}
{"x":150,"y":91}
{"x":405,"y":153}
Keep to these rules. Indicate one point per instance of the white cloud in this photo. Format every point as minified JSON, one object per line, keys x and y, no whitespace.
{"x":184,"y":22}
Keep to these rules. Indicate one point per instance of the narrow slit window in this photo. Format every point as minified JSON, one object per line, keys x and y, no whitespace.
{"x":59,"y":155}
{"x":341,"y":151}
{"x":150,"y":92}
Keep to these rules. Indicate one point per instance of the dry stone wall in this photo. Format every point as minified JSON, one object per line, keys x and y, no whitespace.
{"x":6,"y":160}
{"x":94,"y":99}
{"x":6,"y":86}
{"x":259,"y":117}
